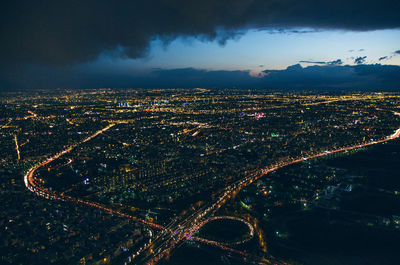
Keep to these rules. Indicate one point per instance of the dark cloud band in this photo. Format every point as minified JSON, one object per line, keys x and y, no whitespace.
{"x":312,"y":77}
{"x":65,"y":32}
{"x":335,"y":62}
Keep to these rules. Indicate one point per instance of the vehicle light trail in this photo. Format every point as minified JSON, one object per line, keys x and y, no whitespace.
{"x":34,"y":186}
{"x":250,"y":226}
{"x":186,"y":228}
{"x":32,"y":113}
{"x":178,"y":232}
{"x":17,"y":147}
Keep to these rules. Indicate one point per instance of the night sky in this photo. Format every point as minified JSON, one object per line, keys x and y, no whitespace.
{"x":208,"y":43}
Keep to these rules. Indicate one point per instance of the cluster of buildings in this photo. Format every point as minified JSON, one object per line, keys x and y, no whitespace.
{"x":169,"y":152}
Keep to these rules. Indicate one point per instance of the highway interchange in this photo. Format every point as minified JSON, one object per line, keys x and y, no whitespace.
{"x":180,"y":229}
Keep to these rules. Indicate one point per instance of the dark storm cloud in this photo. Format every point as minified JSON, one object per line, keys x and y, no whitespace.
{"x":397,"y":52}
{"x":360,"y":60}
{"x":347,"y":77}
{"x":190,"y":77}
{"x":327,"y":76}
{"x":65,"y":32}
{"x":382,"y":58}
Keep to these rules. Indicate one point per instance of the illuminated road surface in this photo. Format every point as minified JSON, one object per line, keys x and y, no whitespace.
{"x":247,"y":223}
{"x":34,"y":186}
{"x":17,"y":147}
{"x":177,"y":233}
{"x":184,"y":230}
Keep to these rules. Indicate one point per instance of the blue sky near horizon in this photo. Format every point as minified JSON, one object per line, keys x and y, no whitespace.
{"x":121,"y":43}
{"x":257,"y":50}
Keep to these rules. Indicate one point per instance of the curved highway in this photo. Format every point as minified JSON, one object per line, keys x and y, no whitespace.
{"x":177,"y":232}
{"x":34,"y":186}
{"x":244,"y":240}
{"x":184,"y":230}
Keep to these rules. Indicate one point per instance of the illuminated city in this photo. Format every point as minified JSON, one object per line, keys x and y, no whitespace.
{"x":156,"y":169}
{"x":213,"y":132}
